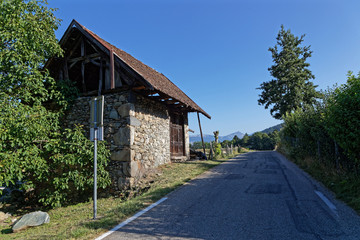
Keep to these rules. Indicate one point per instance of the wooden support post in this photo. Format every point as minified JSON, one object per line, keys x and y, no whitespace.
{"x":83,"y":66}
{"x":112,"y":70}
{"x":211,"y":154}
{"x":202,"y":139}
{"x":66,"y":70}
{"x":107,"y":75}
{"x":100,"y":77}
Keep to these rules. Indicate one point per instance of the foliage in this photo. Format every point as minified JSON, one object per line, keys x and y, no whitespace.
{"x":217,"y":149}
{"x":52,"y":164}
{"x":328,"y":130}
{"x":198,"y":145}
{"x":27,"y":40}
{"x":226,"y":143}
{"x":235,"y":139}
{"x":291,"y":87}
{"x":245,"y":140}
{"x":262,"y":141}
{"x":343,"y":116}
{"x":257,"y":141}
{"x":323,"y":139}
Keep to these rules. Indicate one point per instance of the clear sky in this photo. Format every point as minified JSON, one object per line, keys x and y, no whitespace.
{"x":217,"y":51}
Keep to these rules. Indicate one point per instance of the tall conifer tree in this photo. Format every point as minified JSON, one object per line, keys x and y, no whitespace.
{"x":291,"y":87}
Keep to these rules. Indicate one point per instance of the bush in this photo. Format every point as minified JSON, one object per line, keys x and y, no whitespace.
{"x":53,"y":165}
{"x":217,"y":149}
{"x":343,"y":117}
{"x":328,"y":129}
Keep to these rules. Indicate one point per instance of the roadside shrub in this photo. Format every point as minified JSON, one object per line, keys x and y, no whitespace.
{"x":343,"y":117}
{"x":217,"y":149}
{"x":329,"y":130}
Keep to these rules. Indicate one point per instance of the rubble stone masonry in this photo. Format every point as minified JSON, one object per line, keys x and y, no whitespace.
{"x":137,"y":132}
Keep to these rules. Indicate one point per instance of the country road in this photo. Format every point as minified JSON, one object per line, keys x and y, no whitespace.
{"x":258,"y":195}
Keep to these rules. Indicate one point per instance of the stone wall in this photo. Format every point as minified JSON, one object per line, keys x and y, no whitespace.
{"x":137,"y":131}
{"x":117,"y":132}
{"x":152,"y":134}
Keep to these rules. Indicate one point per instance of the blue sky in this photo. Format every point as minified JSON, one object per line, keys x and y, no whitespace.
{"x":217,"y":51}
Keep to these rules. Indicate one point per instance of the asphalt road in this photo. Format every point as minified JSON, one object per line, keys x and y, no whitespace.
{"x":258,"y":195}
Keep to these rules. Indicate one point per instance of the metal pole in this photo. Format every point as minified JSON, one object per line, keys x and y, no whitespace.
{"x":202,"y":139}
{"x":95,"y":159}
{"x":95,"y":172}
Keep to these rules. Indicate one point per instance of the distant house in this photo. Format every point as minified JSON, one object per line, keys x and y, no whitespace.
{"x":145,"y":115}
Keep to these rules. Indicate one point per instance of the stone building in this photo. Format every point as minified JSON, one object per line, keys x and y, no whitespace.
{"x":145,"y":114}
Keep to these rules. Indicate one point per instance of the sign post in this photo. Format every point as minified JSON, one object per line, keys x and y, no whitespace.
{"x":96,"y":134}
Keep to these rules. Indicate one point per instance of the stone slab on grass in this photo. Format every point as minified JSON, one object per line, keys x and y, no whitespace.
{"x":31,"y":220}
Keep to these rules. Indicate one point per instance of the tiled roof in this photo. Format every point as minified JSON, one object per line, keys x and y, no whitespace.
{"x":157,"y":80}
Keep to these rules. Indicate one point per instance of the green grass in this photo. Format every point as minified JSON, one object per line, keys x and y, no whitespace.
{"x":75,"y":222}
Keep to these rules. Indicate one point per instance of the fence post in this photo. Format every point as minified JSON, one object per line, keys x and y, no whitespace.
{"x":211,"y":154}
{"x":202,"y":138}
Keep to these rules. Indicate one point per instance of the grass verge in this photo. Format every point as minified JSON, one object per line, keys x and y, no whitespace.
{"x":75,"y":222}
{"x":344,"y":185}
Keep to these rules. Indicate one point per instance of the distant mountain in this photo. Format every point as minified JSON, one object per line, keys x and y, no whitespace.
{"x":208,"y":137}
{"x":273,"y":128}
{"x":231,"y":136}
{"x":197,"y":138}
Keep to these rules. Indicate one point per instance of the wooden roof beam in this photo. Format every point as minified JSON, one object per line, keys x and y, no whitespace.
{"x":171,"y":101}
{"x":75,"y":46}
{"x":87,"y":57}
{"x":139,"y":88}
{"x":161,"y":98}
{"x":133,"y":73}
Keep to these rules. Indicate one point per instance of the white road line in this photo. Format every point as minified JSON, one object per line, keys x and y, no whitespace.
{"x":327,"y":202}
{"x":130,"y":219}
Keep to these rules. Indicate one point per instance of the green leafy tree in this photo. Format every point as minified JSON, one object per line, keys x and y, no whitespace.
{"x":291,"y":87}
{"x":256,"y":141}
{"x":236,"y":140}
{"x":198,"y":145}
{"x":275,"y":138}
{"x":53,"y":164}
{"x":225,"y":143}
{"x":245,"y":140}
